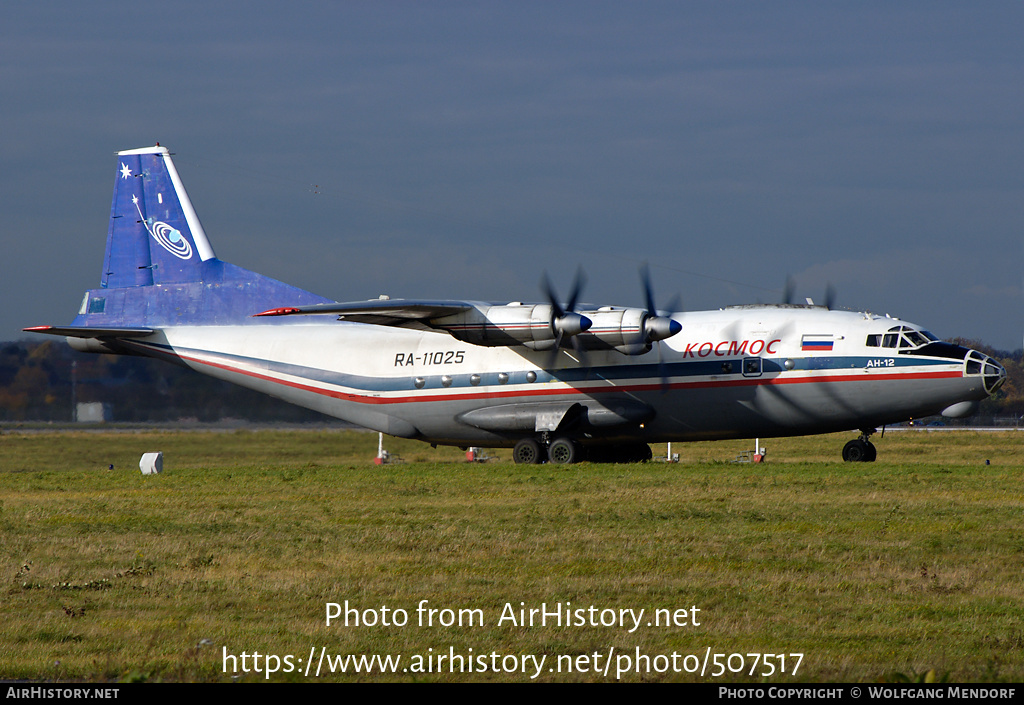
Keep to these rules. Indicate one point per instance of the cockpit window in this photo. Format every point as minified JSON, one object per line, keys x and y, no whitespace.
{"x":902,"y":337}
{"x":915,"y":338}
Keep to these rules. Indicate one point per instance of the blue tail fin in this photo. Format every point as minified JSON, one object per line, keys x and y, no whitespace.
{"x":159,"y":268}
{"x":154,"y":236}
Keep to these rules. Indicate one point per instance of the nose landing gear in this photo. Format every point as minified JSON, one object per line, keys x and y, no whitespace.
{"x":860,"y":450}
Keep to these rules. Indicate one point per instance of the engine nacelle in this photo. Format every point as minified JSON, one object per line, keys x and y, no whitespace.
{"x":619,"y":329}
{"x":630,"y":331}
{"x":535,"y":326}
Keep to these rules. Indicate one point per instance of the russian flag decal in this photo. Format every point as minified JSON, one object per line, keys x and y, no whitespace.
{"x":816,"y":343}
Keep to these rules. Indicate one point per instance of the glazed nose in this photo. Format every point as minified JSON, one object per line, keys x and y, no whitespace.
{"x":991,"y":371}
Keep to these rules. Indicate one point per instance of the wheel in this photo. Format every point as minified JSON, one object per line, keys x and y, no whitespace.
{"x":563,"y":451}
{"x":642,"y":453}
{"x":857,"y":451}
{"x":527,"y":452}
{"x":634,"y":453}
{"x":872,"y":452}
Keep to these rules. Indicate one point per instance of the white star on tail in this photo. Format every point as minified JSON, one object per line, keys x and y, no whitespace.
{"x":125,"y":171}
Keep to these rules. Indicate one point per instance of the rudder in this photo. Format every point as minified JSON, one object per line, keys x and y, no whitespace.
{"x":154,"y":235}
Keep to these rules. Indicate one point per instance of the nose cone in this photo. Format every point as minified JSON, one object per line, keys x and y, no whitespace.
{"x":992,"y":373}
{"x":995,"y":375}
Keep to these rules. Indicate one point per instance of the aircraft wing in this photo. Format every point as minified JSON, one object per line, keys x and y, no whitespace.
{"x":400,"y":313}
{"x":91,"y":331}
{"x":539,"y":326}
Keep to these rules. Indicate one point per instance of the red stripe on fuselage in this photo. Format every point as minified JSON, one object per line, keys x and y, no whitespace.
{"x":428,"y":396}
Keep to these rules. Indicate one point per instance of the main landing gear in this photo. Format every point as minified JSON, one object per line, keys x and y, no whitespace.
{"x":561,"y":450}
{"x":528,"y":452}
{"x":564,"y":450}
{"x":860,"y":450}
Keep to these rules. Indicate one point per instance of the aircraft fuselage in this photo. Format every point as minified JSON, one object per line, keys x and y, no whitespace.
{"x":742,"y":372}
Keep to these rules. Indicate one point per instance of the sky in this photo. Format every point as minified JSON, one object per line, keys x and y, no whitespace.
{"x":464,"y":149}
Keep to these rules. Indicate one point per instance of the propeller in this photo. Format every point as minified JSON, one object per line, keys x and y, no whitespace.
{"x":657,"y":328}
{"x":830,"y":297}
{"x":565,"y":321}
{"x":790,"y":288}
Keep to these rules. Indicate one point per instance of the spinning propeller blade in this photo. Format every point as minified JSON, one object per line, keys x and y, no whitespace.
{"x":830,"y":297}
{"x":788,"y":290}
{"x":657,"y":328}
{"x":565,"y":321}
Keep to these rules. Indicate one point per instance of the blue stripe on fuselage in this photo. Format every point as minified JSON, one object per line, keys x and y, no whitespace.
{"x":611,"y":373}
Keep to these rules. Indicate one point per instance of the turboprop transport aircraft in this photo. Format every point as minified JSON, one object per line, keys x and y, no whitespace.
{"x":558,"y":382}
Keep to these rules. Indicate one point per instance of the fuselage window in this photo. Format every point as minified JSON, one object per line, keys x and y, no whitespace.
{"x":874,"y":341}
{"x":752,"y":367}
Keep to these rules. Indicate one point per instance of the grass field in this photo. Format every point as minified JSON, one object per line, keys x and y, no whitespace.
{"x":872,"y":571}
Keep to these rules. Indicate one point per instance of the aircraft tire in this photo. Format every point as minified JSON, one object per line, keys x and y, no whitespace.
{"x":643,"y":453}
{"x":528,"y":452}
{"x":858,"y":451}
{"x":872,"y":452}
{"x":564,"y":451}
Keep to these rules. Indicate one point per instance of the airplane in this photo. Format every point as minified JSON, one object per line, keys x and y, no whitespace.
{"x":556,"y":382}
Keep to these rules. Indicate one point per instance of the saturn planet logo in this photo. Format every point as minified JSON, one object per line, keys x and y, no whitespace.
{"x":168,"y":237}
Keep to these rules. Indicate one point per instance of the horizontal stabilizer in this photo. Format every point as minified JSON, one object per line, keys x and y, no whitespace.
{"x":91,"y":331}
